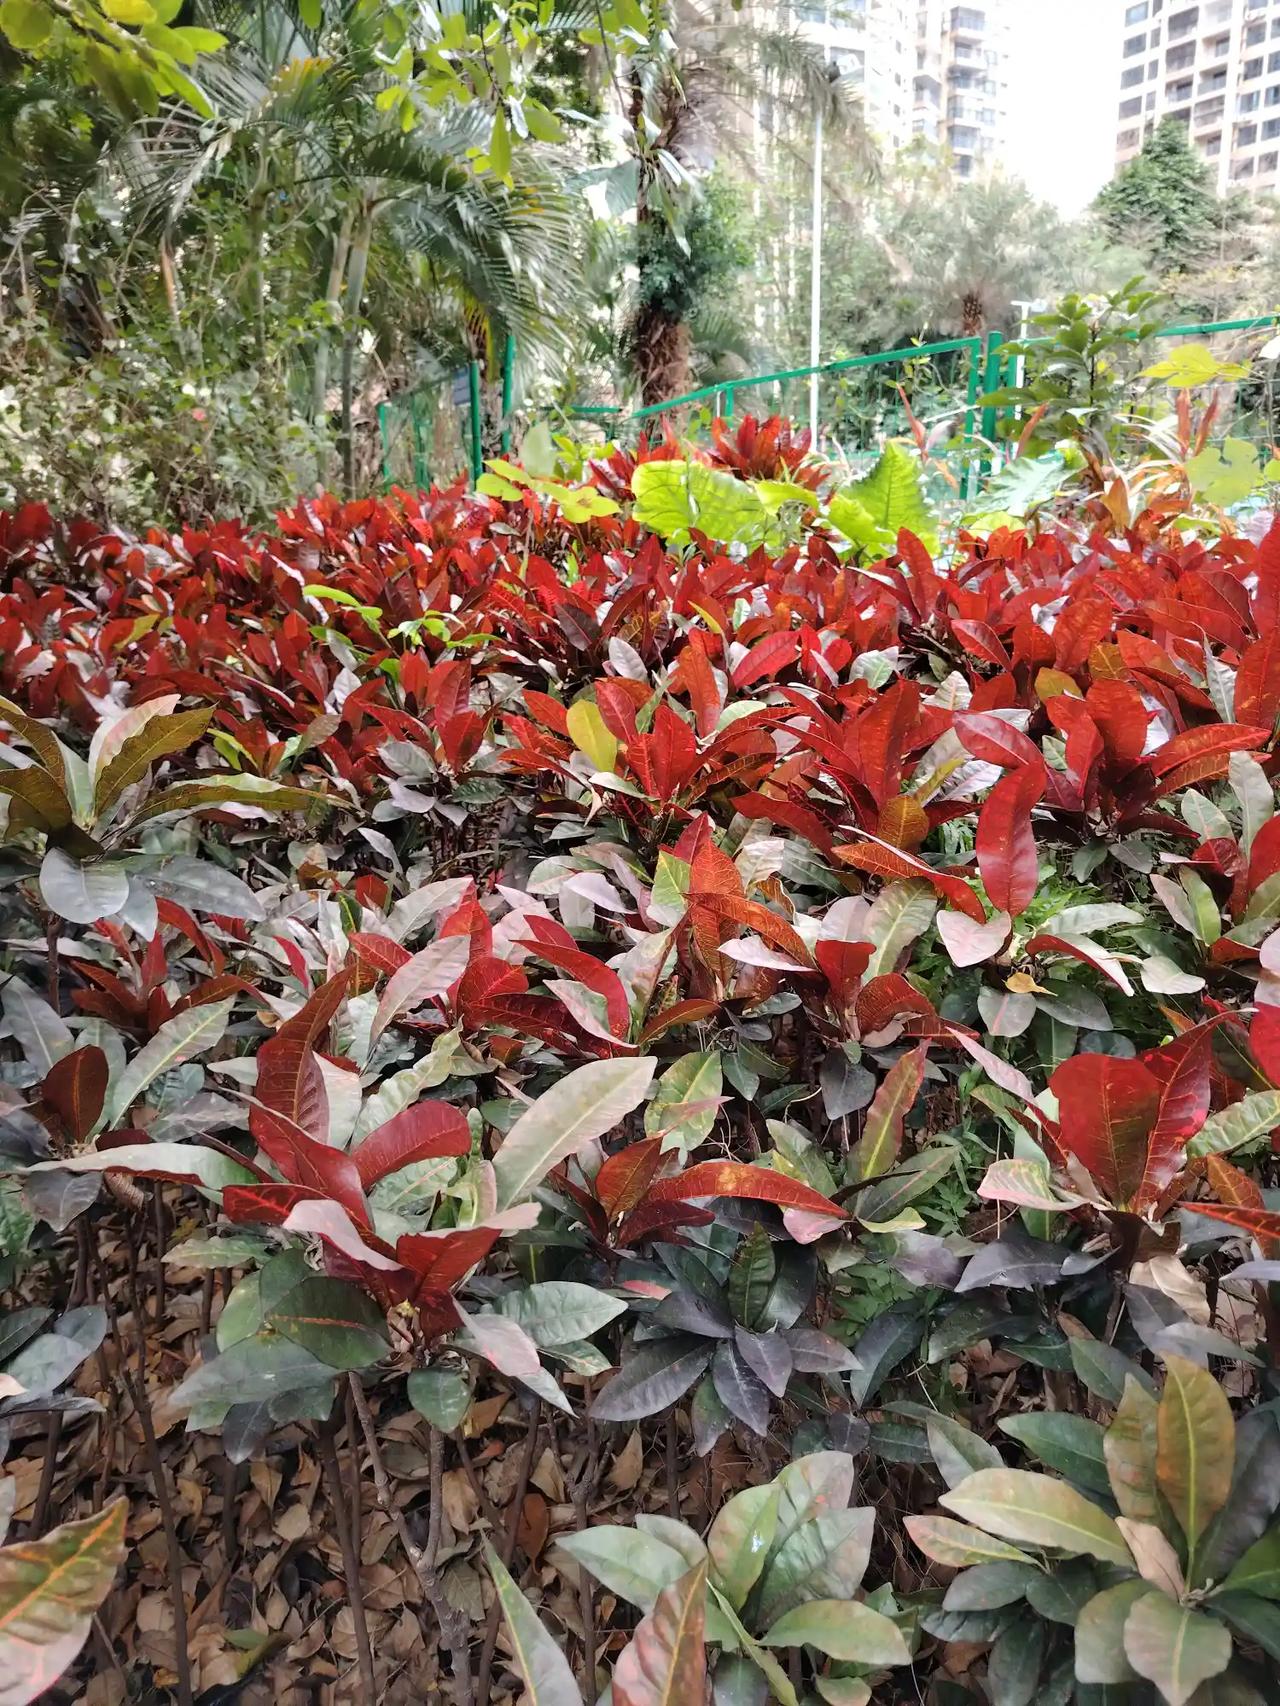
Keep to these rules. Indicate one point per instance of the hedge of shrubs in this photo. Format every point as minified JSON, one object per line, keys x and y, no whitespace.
{"x":729,"y":1087}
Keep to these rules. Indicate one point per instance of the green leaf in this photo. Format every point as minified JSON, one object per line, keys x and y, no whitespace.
{"x":651,"y":1377}
{"x":899,"y":914}
{"x":822,"y":1559}
{"x":811,"y":1487}
{"x":739,"y":1541}
{"x":957,"y":1450}
{"x":203,"y":795}
{"x":877,"y":1148}
{"x":39,"y":801}
{"x":560,"y":1312}
{"x":634,"y":1565}
{"x":685,"y":1102}
{"x":547,"y":1677}
{"x":334,"y":1320}
{"x":751,"y":1276}
{"x":843,"y":1629}
{"x":49,"y":1591}
{"x":1073,"y":1445}
{"x":889,"y":497}
{"x":1258,"y":1571}
{"x":1195,"y":1447}
{"x":1013,"y":1665}
{"x":1100,"y":1657}
{"x":251,"y":1370}
{"x":674,"y":497}
{"x":957,"y":1545}
{"x":988,"y":1587}
{"x":764,"y":1661}
{"x":81,"y":892}
{"x":1174,"y":1647}
{"x":1189,"y":365}
{"x":27,"y":24}
{"x":1024,"y":484}
{"x":442,"y":1395}
{"x":585,"y":1104}
{"x":1037,"y":1511}
{"x":208,"y":1167}
{"x":1245,"y":1121}
{"x":1104,"y":1369}
{"x":179,"y":1039}
{"x":1225,"y":473}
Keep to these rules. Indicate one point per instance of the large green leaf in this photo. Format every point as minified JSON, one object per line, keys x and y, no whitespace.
{"x":810,"y":1487}
{"x":843,"y":1629}
{"x":872,"y":511}
{"x":252,"y":1370}
{"x":1038,"y":1511}
{"x":1245,"y":1121}
{"x":159,"y":738}
{"x":629,"y":1562}
{"x":1129,"y":1449}
{"x":1174,"y":1647}
{"x":1195,"y":1446}
{"x":442,"y":1395}
{"x":739,"y":1541}
{"x":1073,"y":1445}
{"x":1258,"y":1571}
{"x":334,"y":1320}
{"x":79,"y":891}
{"x":49,"y":1591}
{"x":958,"y":1545}
{"x":822,"y":1559}
{"x":1100,"y":1658}
{"x":899,"y":914}
{"x":547,"y":1677}
{"x":560,"y":1312}
{"x":1023,"y":484}
{"x":585,"y":1104}
{"x":674,"y":497}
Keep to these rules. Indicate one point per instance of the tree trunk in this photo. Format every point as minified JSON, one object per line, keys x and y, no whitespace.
{"x":333,"y":299}
{"x":972,"y":318}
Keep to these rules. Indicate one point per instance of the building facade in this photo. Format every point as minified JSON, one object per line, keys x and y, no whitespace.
{"x":926,"y":68}
{"x":1215,"y":67}
{"x":960,"y":92}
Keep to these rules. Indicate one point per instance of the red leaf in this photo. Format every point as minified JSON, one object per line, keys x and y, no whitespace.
{"x":1260,"y":1223}
{"x":441,"y":1260}
{"x":75,"y":1087}
{"x":736,"y":1179}
{"x":1212,"y":741}
{"x":1183,"y":1069}
{"x":624,"y":1178}
{"x":883,"y":861}
{"x":1258,"y":680}
{"x":877,"y":1148}
{"x":994,"y":741}
{"x":768,"y":658}
{"x":1107,"y":1109}
{"x":1006,"y":845}
{"x":1264,"y":1040}
{"x":420,"y":1133}
{"x":290,"y":1084}
{"x":666,"y":1658}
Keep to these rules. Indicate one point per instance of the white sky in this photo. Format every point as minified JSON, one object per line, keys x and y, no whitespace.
{"x":1064,"y":86}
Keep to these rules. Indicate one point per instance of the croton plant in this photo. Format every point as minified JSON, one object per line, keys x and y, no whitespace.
{"x":682,"y":1057}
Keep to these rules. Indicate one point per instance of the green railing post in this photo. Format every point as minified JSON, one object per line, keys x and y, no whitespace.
{"x":970,"y":414}
{"x":991,"y":381}
{"x":729,"y":393}
{"x":508,"y":386}
{"x":386,"y":444}
{"x":419,"y":449}
{"x":477,"y":447}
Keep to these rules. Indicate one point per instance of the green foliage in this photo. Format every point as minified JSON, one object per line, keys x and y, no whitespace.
{"x":1163,"y":199}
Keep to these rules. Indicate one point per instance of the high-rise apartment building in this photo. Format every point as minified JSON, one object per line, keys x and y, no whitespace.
{"x":1215,"y":67}
{"x":962,"y":80}
{"x":924,"y":68}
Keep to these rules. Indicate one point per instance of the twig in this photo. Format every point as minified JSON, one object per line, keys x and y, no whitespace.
{"x":47,"y":1471}
{"x":328,"y":1455}
{"x":452,"y":1621}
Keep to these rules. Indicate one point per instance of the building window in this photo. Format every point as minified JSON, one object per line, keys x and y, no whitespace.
{"x":1181,"y":116}
{"x":1275,"y":26}
{"x":966,"y":18}
{"x":1242,"y":169}
{"x":1213,"y":145}
{"x":1151,"y":100}
{"x":1135,"y":44}
{"x":1245,"y":134}
{"x":1247,"y":103}
{"x":1131,"y":108}
{"x":1272,"y":96}
{"x":1135,"y":14}
{"x":1127,"y":139}
{"x":1254,"y":34}
{"x":1251,"y":68}
{"x":1270,"y":128}
{"x":1183,"y":23}
{"x":1179,"y":91}
{"x":1134,"y":74}
{"x":1267,"y":162}
{"x":1212,"y":81}
{"x":1180,"y":58}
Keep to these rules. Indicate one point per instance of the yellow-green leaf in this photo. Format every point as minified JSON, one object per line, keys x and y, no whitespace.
{"x":589,"y":733}
{"x":1038,"y":1511}
{"x":1195,"y":1446}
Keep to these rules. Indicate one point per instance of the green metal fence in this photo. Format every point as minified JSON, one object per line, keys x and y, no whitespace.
{"x":863,"y":400}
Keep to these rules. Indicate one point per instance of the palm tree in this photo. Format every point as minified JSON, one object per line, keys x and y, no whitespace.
{"x":688,"y":101}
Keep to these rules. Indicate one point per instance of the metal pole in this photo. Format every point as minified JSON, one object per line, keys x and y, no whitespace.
{"x":815,"y":256}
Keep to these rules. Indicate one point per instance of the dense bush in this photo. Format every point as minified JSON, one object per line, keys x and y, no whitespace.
{"x":462,"y":945}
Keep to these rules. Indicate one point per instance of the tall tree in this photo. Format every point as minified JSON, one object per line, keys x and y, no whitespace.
{"x":1163,"y":201}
